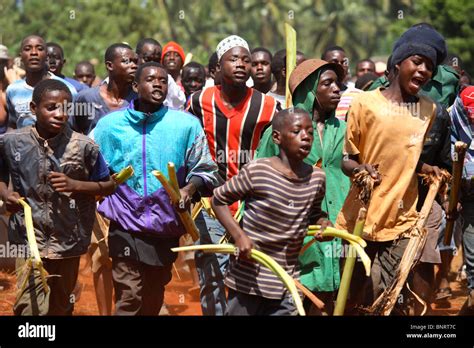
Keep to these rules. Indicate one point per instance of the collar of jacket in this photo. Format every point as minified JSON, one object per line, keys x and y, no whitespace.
{"x":139,"y":117}
{"x":54,"y":141}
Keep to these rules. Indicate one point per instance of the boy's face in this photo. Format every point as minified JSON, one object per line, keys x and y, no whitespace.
{"x":150,"y":53}
{"x":328,"y":91}
{"x":152,"y":86}
{"x":338,"y":57}
{"x":261,"y":67}
{"x":172,"y":61}
{"x":55,"y":59}
{"x":364,"y":68}
{"x":124,"y":65}
{"x":84,"y":74}
{"x":413,"y":73}
{"x":235,"y":66}
{"x":296,"y":136}
{"x":193,"y":80}
{"x":51,"y":112}
{"x":33,"y":54}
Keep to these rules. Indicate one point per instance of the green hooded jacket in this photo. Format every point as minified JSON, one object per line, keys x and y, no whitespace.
{"x":320,"y":270}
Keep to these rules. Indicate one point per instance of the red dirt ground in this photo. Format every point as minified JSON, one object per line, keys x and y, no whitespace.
{"x":177,"y":299}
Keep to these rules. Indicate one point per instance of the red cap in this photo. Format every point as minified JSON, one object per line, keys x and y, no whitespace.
{"x":173,"y":47}
{"x":467,"y":97}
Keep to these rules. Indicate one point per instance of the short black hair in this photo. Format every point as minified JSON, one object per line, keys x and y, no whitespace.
{"x":48,"y":85}
{"x":278,"y":62}
{"x":365,"y":60}
{"x":140,"y":69}
{"x":29,"y":36}
{"x":144,"y":42}
{"x":262,"y":49}
{"x":330,"y":49}
{"x":110,"y":51}
{"x":466,"y":74}
{"x":86,"y":63}
{"x":195,"y":65}
{"x":212,"y":64}
{"x":58,"y":46}
{"x":279,"y":119}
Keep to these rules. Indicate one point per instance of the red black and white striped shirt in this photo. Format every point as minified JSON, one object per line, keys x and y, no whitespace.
{"x":232,"y":134}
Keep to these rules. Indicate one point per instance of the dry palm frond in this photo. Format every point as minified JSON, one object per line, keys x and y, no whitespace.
{"x":32,"y":270}
{"x":417,"y":234}
{"x":364,"y":181}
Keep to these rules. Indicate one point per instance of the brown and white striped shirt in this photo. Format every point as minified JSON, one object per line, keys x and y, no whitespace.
{"x":278,"y":210}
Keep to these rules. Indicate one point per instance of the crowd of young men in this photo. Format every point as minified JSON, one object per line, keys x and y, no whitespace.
{"x":154,"y":107}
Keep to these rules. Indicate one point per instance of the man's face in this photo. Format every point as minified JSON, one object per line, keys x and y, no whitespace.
{"x":84,"y":74}
{"x":235,"y":66}
{"x":172,"y":61}
{"x":51,"y":116}
{"x":152,"y":87}
{"x":296,"y":136}
{"x":364,"y":68}
{"x":150,"y":53}
{"x":338,"y":57}
{"x":261,"y":67}
{"x":414,"y":72}
{"x":55,"y":59}
{"x":124,"y":65}
{"x":328,"y":91}
{"x":33,"y":54}
{"x":193,"y":80}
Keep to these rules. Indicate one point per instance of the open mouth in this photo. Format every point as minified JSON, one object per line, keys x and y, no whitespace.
{"x":240,"y":75}
{"x":157,"y":94}
{"x":305,"y":148}
{"x":417,"y":82}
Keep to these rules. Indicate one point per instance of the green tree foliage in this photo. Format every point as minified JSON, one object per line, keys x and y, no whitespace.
{"x":364,"y":28}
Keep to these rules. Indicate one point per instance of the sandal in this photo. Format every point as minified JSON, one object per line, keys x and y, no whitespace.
{"x":443,"y":294}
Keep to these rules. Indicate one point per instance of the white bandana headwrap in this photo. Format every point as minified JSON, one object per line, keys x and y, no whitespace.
{"x":229,"y":43}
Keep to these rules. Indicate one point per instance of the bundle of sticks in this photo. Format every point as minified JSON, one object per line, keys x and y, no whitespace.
{"x":365,"y":183}
{"x":384,"y":304}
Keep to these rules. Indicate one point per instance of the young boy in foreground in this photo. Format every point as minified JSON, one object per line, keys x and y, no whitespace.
{"x":58,"y":172}
{"x":282,"y":197}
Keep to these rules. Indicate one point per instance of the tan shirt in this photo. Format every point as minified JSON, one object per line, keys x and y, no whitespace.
{"x":392,"y":136}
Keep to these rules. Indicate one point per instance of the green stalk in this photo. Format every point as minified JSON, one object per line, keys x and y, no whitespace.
{"x":259,"y":257}
{"x":124,"y":175}
{"x":349,"y":267}
{"x":332,"y":232}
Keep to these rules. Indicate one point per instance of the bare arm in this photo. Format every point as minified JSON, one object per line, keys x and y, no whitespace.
{"x":350,"y":166}
{"x":10,"y":198}
{"x":62,"y":183}
{"x":242,"y":241}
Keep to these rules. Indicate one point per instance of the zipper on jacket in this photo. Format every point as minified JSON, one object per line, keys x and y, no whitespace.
{"x":45,"y":200}
{"x":145,"y":186}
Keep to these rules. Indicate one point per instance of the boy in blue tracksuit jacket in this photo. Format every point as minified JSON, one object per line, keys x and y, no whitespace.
{"x":143,"y":223}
